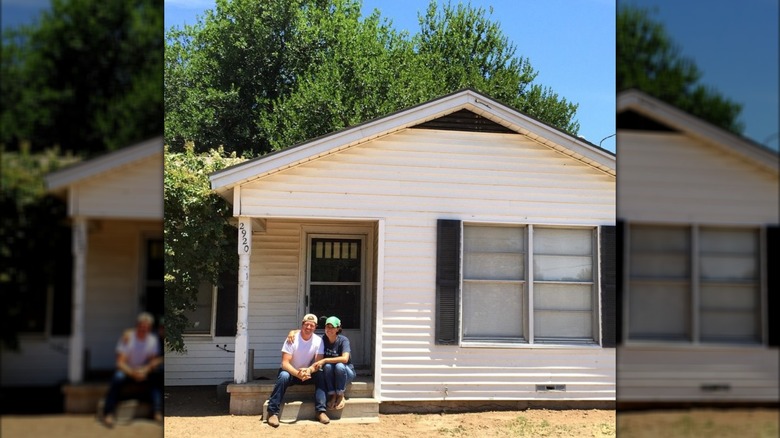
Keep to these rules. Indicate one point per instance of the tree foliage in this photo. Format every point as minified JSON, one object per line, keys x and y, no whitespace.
{"x":648,"y":60}
{"x":259,"y":76}
{"x":35,"y":247}
{"x":199,"y":242}
{"x":86,"y":76}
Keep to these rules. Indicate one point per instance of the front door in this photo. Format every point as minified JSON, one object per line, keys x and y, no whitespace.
{"x":336,"y":285}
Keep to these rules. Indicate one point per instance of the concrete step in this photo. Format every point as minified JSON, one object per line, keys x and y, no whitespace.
{"x":356,"y":410}
{"x":248,"y":398}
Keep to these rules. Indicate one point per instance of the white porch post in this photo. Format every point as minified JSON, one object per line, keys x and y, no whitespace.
{"x":242,"y":340}
{"x":76,"y":348}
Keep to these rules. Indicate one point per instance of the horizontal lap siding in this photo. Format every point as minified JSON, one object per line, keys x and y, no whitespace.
{"x":202,"y":364}
{"x":39,"y":362}
{"x":670,"y":178}
{"x":667,"y":374}
{"x":133,"y":191}
{"x":411,"y":179}
{"x":112,"y":285}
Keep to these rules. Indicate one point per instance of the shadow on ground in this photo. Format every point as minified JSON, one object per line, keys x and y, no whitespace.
{"x":196,"y":401}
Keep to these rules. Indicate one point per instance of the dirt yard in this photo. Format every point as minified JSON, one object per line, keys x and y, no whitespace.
{"x":195,"y":413}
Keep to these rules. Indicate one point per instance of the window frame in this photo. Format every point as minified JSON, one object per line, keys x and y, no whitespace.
{"x":695,"y":281}
{"x":529,"y":339}
{"x":212,"y":316}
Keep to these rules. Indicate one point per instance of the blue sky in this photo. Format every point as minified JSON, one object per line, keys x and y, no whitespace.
{"x":571,"y":44}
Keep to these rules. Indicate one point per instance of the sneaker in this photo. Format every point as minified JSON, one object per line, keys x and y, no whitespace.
{"x":273,"y":421}
{"x":323,"y":418}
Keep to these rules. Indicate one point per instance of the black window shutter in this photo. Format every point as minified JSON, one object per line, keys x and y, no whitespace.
{"x":773,"y":286}
{"x":447,"y":281}
{"x":227,"y":305}
{"x":620,"y":255}
{"x":608,"y":286}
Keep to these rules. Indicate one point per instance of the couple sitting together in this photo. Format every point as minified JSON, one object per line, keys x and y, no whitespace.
{"x":324,"y":360}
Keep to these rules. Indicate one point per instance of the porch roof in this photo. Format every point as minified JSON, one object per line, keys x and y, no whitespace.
{"x":59,"y":181}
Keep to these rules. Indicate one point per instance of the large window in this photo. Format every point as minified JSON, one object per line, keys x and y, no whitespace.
{"x":694,"y":284}
{"x":529,"y":284}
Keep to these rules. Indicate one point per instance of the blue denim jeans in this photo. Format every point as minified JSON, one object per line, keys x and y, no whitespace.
{"x":284,"y":380}
{"x":120,"y":380}
{"x":337,"y":376}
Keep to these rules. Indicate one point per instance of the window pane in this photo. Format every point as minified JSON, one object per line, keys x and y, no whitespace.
{"x":659,"y":293}
{"x":563,"y":297}
{"x":563,"y":254}
{"x":335,"y":260}
{"x":494,"y":239}
{"x":563,"y":241}
{"x":659,"y":310}
{"x":492,"y":310}
{"x":493,"y":266}
{"x":563,"y":311}
{"x":555,"y":324}
{"x":200,"y":318}
{"x":729,"y":294}
{"x":563,"y":268}
{"x":730,"y":313}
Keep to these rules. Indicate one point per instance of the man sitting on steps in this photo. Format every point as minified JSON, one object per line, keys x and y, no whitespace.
{"x":297,"y":369}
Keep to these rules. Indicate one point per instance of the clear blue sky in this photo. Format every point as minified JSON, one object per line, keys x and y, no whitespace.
{"x":571,"y":44}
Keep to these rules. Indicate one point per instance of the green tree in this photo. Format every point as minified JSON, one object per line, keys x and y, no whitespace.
{"x":199,"y":242}
{"x":35,"y":249}
{"x":648,"y":60}
{"x":259,"y":76}
{"x":224,"y":72}
{"x":87,"y":76}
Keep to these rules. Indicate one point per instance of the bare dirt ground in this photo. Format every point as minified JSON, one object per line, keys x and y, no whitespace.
{"x":720,"y":423}
{"x":191,"y":412}
{"x":200,"y":412}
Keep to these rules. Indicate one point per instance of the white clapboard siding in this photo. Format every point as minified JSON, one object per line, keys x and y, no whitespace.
{"x":683,"y":374}
{"x":113,"y":286}
{"x":511,"y":178}
{"x":409,"y":180}
{"x":671,"y":178}
{"x":38,"y":362}
{"x":130,"y":191}
{"x":202,"y":364}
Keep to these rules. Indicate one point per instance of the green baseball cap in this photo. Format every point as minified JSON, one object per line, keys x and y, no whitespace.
{"x":335,"y":322}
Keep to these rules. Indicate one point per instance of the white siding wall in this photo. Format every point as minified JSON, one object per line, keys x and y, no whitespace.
{"x":411,"y":179}
{"x":132,"y":191}
{"x":671,"y":179}
{"x":39,"y":362}
{"x":203,"y":363}
{"x":113,"y":284}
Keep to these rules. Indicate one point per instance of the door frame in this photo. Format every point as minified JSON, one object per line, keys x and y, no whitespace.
{"x":365,"y":233}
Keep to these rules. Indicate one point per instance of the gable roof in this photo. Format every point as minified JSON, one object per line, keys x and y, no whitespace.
{"x":60,"y":180}
{"x":225,"y":180}
{"x":674,"y":119}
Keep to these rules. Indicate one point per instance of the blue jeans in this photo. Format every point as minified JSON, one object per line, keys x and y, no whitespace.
{"x":337,"y":376}
{"x":121,"y":380}
{"x":284,"y":380}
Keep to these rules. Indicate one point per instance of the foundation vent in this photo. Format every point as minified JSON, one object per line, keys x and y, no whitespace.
{"x":550,"y":387}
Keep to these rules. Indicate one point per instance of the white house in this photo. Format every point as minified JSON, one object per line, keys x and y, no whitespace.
{"x":697,"y":220}
{"x":115,"y":208}
{"x":467,"y":248}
